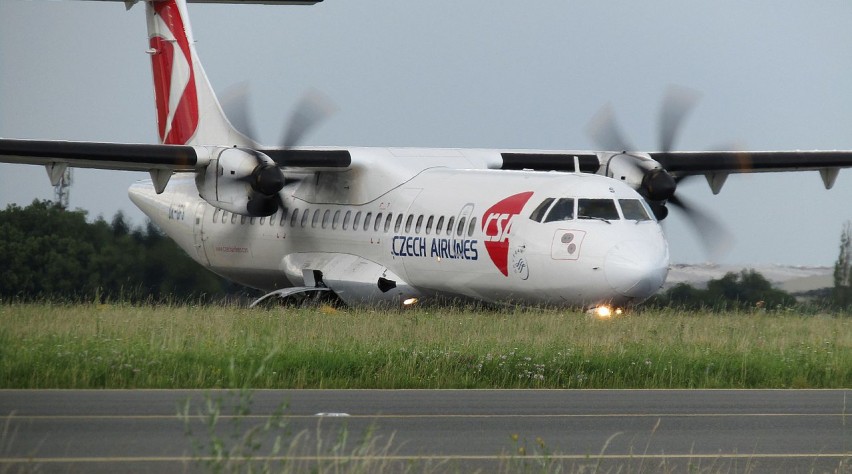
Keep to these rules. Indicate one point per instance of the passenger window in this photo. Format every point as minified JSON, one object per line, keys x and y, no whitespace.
{"x":225,"y":217}
{"x":315,"y":219}
{"x":251,"y":221}
{"x":450,"y":225}
{"x":216,"y":214}
{"x":460,"y":228}
{"x":596,"y":209}
{"x":346,"y":219}
{"x":326,"y":217}
{"x":335,"y":220}
{"x":388,"y":220}
{"x":283,"y":217}
{"x":429,"y":224}
{"x":367,"y":220}
{"x":378,"y":223}
{"x":538,"y":214}
{"x":233,"y":218}
{"x":563,"y":210}
{"x":294,"y":217}
{"x":408,"y":223}
{"x":440,"y":225}
{"x":398,"y":223}
{"x":305,"y":215}
{"x":419,"y":224}
{"x":633,"y":210}
{"x":242,"y":220}
{"x":262,"y":220}
{"x":471,"y":227}
{"x":356,"y":221}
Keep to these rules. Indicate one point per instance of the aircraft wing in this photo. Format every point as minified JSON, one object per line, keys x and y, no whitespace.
{"x":56,"y":155}
{"x":684,"y":163}
{"x":159,"y":160}
{"x":717,"y":165}
{"x":115,"y":156}
{"x":144,"y":157}
{"x":714,"y":165}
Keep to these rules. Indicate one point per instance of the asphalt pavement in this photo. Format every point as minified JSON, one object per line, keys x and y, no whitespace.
{"x":427,"y":430}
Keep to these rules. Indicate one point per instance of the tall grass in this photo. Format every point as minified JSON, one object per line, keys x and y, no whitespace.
{"x":123,"y":346}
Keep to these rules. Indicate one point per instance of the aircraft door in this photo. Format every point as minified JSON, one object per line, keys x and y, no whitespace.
{"x":198,"y":233}
{"x":463,"y":220}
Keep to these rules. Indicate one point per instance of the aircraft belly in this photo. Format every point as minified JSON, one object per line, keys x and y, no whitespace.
{"x":354,"y":279}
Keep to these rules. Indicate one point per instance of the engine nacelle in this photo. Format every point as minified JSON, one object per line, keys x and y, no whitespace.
{"x":241,"y":181}
{"x":642,"y":173}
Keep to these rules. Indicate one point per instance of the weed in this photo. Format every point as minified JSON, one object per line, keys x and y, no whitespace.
{"x":268,"y":445}
{"x":125,"y":346}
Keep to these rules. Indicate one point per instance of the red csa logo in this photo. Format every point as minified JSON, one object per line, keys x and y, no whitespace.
{"x":174,"y":78}
{"x":497,"y":224}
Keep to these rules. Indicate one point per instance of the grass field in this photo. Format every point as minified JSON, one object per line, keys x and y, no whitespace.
{"x":123,"y":346}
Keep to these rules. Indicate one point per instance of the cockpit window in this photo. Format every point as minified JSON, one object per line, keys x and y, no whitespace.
{"x":633,"y":210}
{"x":538,"y":214}
{"x":597,"y":209}
{"x":563,"y":210}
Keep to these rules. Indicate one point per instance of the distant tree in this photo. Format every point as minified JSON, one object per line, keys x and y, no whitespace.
{"x":684,"y":295}
{"x":842,"y":292}
{"x":119,"y":225}
{"x":51,"y":253}
{"x":743,"y":291}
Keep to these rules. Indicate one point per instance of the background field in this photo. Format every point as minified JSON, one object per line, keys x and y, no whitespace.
{"x":123,"y":346}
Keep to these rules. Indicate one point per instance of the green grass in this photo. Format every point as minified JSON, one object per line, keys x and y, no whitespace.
{"x":123,"y":346}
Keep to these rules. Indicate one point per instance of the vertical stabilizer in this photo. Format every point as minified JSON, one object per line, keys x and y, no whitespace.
{"x":188,"y":112}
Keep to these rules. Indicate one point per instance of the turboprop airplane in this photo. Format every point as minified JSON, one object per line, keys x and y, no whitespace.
{"x":401,"y":226}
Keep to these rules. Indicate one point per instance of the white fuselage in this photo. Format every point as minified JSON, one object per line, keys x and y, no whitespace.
{"x":435,"y":232}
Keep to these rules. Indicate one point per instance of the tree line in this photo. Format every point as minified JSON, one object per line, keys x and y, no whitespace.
{"x":49,"y":253}
{"x":743,"y":291}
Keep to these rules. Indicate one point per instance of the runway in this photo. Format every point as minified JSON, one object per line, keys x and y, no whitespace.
{"x":431,"y":430}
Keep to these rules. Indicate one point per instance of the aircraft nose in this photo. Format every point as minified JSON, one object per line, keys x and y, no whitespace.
{"x":636,"y":268}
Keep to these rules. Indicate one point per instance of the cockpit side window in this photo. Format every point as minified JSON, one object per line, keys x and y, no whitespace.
{"x":538,"y":214}
{"x":597,"y":209}
{"x":563,"y":210}
{"x":633,"y":210}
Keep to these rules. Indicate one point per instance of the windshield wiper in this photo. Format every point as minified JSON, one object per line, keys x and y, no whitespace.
{"x":596,"y":218}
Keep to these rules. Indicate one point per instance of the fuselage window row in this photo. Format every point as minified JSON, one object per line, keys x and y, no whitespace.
{"x":324,"y":218}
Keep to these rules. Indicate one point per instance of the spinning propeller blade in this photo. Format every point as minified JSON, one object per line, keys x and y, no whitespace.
{"x":658,"y":186}
{"x":267,"y":180}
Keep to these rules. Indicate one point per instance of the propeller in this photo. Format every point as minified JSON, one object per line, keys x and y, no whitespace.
{"x":677,"y":104}
{"x":267,"y":180}
{"x":714,"y":237}
{"x":604,"y":131}
{"x":659,"y":187}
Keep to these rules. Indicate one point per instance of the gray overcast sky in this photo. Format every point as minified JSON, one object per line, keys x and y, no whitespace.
{"x":775,"y":75}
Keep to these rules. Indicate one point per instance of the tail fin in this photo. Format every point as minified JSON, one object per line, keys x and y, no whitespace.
{"x":188,"y":112}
